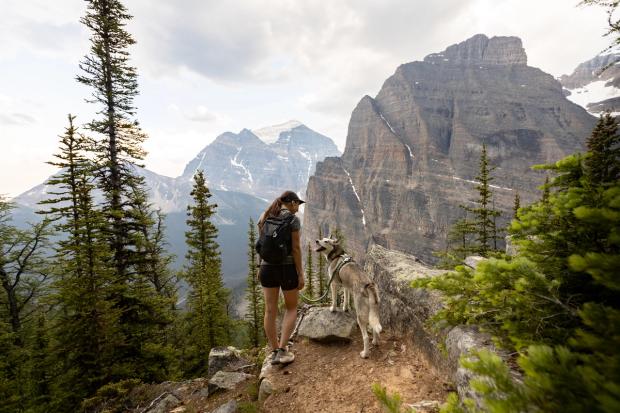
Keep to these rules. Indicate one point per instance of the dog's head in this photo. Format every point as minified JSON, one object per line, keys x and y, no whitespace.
{"x":327,"y":245}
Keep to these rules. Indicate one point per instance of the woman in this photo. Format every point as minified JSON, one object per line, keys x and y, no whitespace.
{"x":287,"y":276}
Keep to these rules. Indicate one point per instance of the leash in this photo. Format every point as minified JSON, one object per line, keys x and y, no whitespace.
{"x":347,"y":259}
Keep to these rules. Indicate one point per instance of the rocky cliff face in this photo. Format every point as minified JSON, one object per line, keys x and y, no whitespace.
{"x":412,"y":152}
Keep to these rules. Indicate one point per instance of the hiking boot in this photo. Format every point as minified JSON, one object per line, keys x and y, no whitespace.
{"x":285,"y":356}
{"x":275,"y":356}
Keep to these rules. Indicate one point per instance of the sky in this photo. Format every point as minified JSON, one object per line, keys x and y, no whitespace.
{"x":210,"y":66}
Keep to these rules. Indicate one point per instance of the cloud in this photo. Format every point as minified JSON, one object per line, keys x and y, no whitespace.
{"x":16,"y":119}
{"x":201,"y":114}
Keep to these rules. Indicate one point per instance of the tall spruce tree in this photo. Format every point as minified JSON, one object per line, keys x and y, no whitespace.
{"x":117,"y":149}
{"x":516,"y":206}
{"x":484,"y":214}
{"x":254,"y":294}
{"x":84,"y":329}
{"x":207,"y":314}
{"x":604,"y":151}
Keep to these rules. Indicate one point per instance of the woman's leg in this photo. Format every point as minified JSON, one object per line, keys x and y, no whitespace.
{"x":290,"y":316}
{"x":271,"y":312}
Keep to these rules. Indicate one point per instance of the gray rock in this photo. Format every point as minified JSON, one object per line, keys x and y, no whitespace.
{"x":473,"y":261}
{"x":229,"y":407}
{"x":408,"y":309}
{"x":320,"y":324}
{"x":164,"y":404}
{"x":224,"y":380}
{"x":426,"y":406}
{"x":226,"y":359}
{"x":265,"y":389}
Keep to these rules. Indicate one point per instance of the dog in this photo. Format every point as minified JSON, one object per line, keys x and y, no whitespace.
{"x":355,"y":282}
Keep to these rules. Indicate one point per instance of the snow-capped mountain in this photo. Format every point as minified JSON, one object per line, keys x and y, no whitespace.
{"x":245,"y":163}
{"x":595,"y":84}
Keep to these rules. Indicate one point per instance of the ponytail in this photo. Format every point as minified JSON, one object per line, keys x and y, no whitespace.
{"x":274,"y":209}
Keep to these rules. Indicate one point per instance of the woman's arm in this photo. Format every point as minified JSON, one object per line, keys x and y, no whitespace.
{"x":296,"y":238}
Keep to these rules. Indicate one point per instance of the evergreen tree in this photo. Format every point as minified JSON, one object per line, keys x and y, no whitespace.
{"x":23,"y":277}
{"x":459,"y":245}
{"x":254,"y":294}
{"x":604,"y":152}
{"x":207,"y":315}
{"x":484,"y":215}
{"x":117,"y":149}
{"x":516,"y":206}
{"x":84,"y":330}
{"x":310,"y":281}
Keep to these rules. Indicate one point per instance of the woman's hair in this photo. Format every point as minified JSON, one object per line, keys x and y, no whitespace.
{"x":274,"y":209}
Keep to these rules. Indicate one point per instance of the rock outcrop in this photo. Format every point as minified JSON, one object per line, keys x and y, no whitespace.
{"x":412,"y":152}
{"x":408,"y":309}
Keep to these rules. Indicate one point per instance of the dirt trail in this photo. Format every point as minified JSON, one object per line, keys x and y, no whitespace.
{"x":333,"y":377}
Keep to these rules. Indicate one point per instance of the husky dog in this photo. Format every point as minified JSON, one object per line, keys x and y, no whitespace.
{"x":347,"y":273}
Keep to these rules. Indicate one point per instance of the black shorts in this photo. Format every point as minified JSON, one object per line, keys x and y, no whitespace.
{"x":283,"y":276}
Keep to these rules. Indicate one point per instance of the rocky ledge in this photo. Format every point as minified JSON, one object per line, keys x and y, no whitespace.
{"x":408,"y":309}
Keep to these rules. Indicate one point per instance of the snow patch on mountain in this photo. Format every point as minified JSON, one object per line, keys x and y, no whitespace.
{"x":593,"y":92}
{"x":270,"y":134}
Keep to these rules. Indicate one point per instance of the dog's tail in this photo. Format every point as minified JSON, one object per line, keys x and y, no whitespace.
{"x":373,"y":316}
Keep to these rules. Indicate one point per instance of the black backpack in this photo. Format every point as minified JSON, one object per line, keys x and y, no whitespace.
{"x":275,"y":243}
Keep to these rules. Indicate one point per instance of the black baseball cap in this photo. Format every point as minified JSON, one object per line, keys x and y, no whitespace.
{"x":290,"y":196}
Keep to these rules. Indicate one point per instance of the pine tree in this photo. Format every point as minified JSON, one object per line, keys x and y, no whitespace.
{"x":484,"y":214}
{"x":604,"y":151}
{"x":254,"y":295}
{"x":516,"y":206}
{"x":84,"y":330}
{"x":310,"y":281}
{"x":207,"y":315}
{"x":459,"y":245}
{"x":117,"y":149}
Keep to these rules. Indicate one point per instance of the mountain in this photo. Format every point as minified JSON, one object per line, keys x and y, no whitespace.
{"x":243,"y":173}
{"x":412,"y":152}
{"x":244,"y":162}
{"x":595,"y":84}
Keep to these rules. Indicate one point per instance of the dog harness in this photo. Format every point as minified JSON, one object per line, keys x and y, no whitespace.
{"x":345,"y":260}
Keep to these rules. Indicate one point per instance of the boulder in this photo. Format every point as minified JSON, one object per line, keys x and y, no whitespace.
{"x":229,"y":407}
{"x":426,"y":406}
{"x":226,"y":380}
{"x":265,"y":389}
{"x":320,"y":324}
{"x":473,"y":260}
{"x":225,"y":359}
{"x":164,"y":404}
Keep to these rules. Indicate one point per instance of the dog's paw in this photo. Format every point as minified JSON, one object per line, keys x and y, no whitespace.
{"x":364,"y":354}
{"x":375,"y":342}
{"x":332,"y":309}
{"x":345,"y":309}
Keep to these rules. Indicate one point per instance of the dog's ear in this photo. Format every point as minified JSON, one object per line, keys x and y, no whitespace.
{"x":336,"y":241}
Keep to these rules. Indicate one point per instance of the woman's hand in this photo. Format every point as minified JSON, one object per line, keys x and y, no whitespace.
{"x":302,"y":282}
